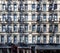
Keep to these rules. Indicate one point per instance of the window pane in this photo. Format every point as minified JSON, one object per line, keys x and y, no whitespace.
{"x":21,"y":38}
{"x":2,"y":39}
{"x":33,"y":17}
{"x":44,"y":28}
{"x":33,"y":27}
{"x":51,"y":39}
{"x":44,"y":16}
{"x":44,"y":39}
{"x":44,"y":7}
{"x":33,"y":39}
{"x":38,"y":39}
{"x":15,"y":39}
{"x":26,"y":38}
{"x":33,"y":6}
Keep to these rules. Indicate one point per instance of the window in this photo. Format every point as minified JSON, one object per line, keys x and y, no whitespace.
{"x":9,"y":17}
{"x":26,"y":17}
{"x":21,"y":17}
{"x":21,"y":28}
{"x":21,"y":38}
{"x":15,"y":27}
{"x":3,"y":17}
{"x":3,"y":28}
{"x":38,"y":39}
{"x":44,"y":16}
{"x":26,"y":38}
{"x":55,"y":17}
{"x":50,"y":28}
{"x":38,"y":28}
{"x":26,"y":6}
{"x":26,"y":27}
{"x":38,"y":7}
{"x":56,"y":28}
{"x":44,"y":28}
{"x":33,"y":39}
{"x":15,"y":17}
{"x":38,"y":17}
{"x":2,"y":39}
{"x":50,"y":7}
{"x":33,"y":17}
{"x":9,"y":8}
{"x":15,"y":7}
{"x":44,"y":39}
{"x":3,"y":6}
{"x":50,"y":17}
{"x":44,"y":7}
{"x":15,"y":38}
{"x":9,"y":28}
{"x":57,"y":38}
{"x":33,"y":6}
{"x":21,"y":7}
{"x":55,"y":6}
{"x":50,"y":39}
{"x":9,"y":40}
{"x":33,"y":28}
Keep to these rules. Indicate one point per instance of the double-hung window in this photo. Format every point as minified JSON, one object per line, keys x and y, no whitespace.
{"x":33,"y":6}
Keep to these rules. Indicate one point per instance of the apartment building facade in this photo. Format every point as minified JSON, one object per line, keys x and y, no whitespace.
{"x":30,"y":22}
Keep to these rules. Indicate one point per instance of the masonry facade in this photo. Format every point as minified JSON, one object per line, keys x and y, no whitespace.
{"x":30,"y":21}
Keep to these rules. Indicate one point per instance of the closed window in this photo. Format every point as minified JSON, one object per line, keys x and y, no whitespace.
{"x":56,"y":28}
{"x":55,"y":6}
{"x":21,"y":38}
{"x":44,"y":16}
{"x":50,"y":28}
{"x":15,"y":27}
{"x":21,"y":17}
{"x":50,"y":17}
{"x":44,"y":39}
{"x":15,"y":7}
{"x":38,"y":28}
{"x":33,"y":28}
{"x":38,"y":39}
{"x":50,"y":39}
{"x":44,"y":28}
{"x":26,"y":6}
{"x":55,"y":17}
{"x":26,"y":17}
{"x":3,"y":17}
{"x":3,"y":6}
{"x":2,"y":39}
{"x":44,"y":7}
{"x":33,"y":17}
{"x":33,"y":39}
{"x":15,"y":38}
{"x":33,"y":6}
{"x":26,"y":27}
{"x":26,"y":38}
{"x":3,"y":28}
{"x":57,"y":38}
{"x":15,"y":17}
{"x":21,"y":28}
{"x":9,"y":40}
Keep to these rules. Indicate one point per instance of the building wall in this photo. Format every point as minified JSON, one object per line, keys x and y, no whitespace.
{"x":29,"y":21}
